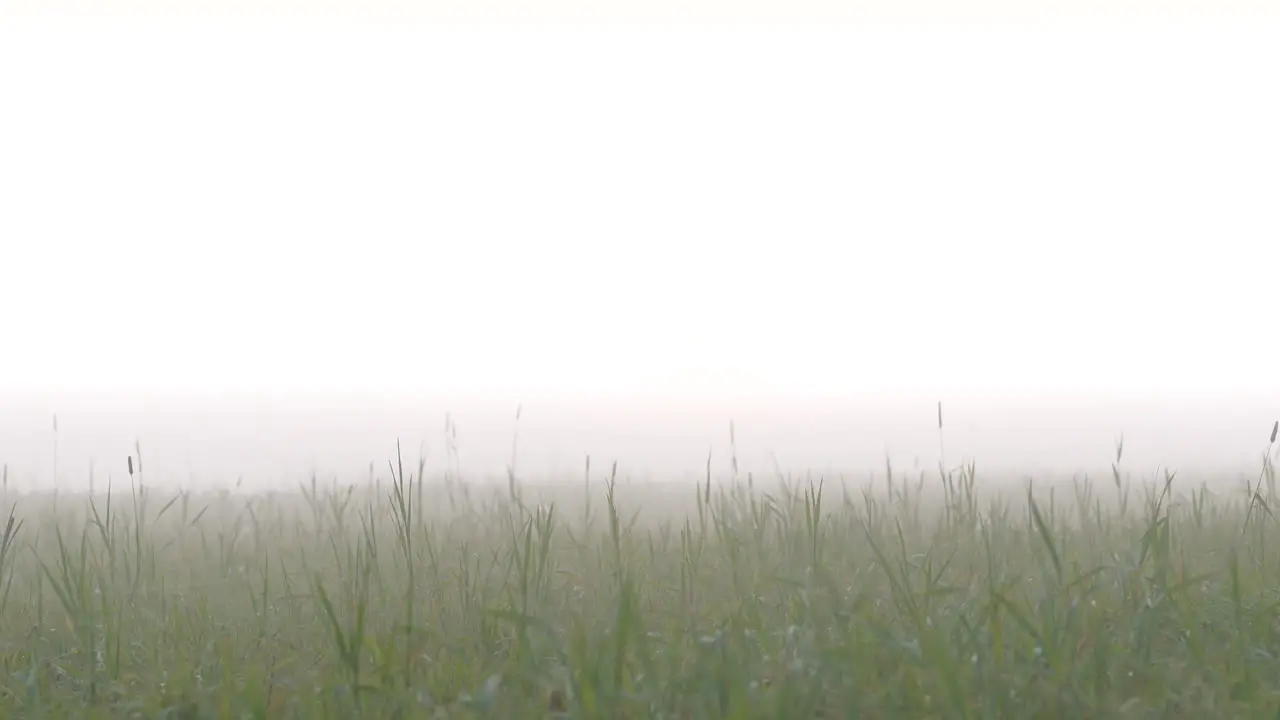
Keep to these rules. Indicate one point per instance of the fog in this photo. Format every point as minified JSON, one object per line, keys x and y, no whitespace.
{"x":262,"y":249}
{"x":204,"y":443}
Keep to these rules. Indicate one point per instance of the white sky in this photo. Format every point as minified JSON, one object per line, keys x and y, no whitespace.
{"x":522,"y":212}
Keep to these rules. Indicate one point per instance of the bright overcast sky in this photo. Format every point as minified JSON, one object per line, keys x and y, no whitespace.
{"x":247,"y":205}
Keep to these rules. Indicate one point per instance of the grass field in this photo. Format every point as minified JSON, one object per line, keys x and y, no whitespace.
{"x":800,"y":598}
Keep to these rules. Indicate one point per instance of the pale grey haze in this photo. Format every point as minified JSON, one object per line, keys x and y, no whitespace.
{"x":261,"y":247}
{"x":215,"y":443}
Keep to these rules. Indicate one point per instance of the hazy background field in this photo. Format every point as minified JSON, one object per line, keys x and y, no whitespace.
{"x":201,"y":442}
